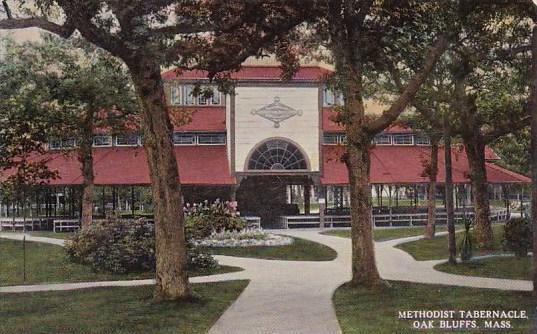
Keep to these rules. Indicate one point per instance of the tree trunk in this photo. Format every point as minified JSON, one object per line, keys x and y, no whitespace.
{"x":85,"y":156}
{"x":364,"y":268}
{"x":431,"y":194}
{"x":532,"y":104}
{"x":475,"y":151}
{"x":452,"y":246}
{"x":170,"y":244}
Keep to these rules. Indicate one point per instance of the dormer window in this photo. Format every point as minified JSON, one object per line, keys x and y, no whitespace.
{"x":175,"y":95}
{"x":422,"y":140}
{"x":332,"y":98}
{"x":183,"y":95}
{"x":403,"y":139}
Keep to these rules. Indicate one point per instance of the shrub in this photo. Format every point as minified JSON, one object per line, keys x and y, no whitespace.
{"x":518,"y":236}
{"x":466,"y":246}
{"x":121,"y":246}
{"x":204,"y":219}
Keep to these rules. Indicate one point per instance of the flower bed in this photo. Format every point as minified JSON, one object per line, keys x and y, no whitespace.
{"x":244,"y":238}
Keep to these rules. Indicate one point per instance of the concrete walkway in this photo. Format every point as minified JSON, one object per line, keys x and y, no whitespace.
{"x":296,"y":296}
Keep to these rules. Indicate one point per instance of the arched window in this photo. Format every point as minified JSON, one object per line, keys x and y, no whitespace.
{"x":277,"y":154}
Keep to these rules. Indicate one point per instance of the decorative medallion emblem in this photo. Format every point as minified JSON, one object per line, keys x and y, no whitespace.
{"x":277,"y":112}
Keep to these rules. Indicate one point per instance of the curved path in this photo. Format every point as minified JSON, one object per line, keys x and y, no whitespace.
{"x":296,"y":296}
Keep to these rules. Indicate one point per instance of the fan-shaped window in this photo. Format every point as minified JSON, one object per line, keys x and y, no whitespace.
{"x":277,"y":154}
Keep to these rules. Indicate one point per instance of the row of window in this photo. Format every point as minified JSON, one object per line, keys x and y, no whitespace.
{"x":381,"y":139}
{"x":179,"y":138}
{"x":183,"y":95}
{"x":332,"y":98}
{"x":189,"y":138}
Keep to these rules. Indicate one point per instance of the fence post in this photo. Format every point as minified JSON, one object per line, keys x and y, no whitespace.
{"x":24,"y":258}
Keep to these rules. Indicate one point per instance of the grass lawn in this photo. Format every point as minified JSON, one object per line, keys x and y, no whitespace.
{"x":115,"y":311}
{"x":300,"y":250}
{"x":499,"y":267}
{"x":360,"y":311}
{"x":50,"y":234}
{"x":383,"y":234}
{"x":48,"y":264}
{"x":436,"y":249}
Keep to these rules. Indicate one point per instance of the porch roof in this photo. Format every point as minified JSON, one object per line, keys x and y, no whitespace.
{"x":198,"y":165}
{"x":405,"y":165}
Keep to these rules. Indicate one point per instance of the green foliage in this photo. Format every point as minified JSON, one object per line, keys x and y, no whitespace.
{"x":466,"y":247}
{"x":514,"y":149}
{"x":57,"y":88}
{"x":518,"y":236}
{"x":121,"y":246}
{"x":203,"y":219}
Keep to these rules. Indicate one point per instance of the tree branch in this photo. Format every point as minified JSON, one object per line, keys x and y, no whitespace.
{"x":65,"y":30}
{"x":507,"y":128}
{"x":184,"y":28}
{"x":389,"y":116}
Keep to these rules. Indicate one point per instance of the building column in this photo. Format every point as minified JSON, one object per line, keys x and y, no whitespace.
{"x":307,"y":198}
{"x":233,"y":193}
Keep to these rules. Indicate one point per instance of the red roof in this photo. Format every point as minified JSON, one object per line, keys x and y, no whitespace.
{"x":329,"y":124}
{"x":200,"y":165}
{"x":205,"y":119}
{"x":262,"y":73}
{"x":328,"y":120}
{"x":398,"y":128}
{"x":404,"y":165}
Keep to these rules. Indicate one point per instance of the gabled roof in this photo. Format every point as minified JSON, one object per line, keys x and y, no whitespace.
{"x":255,"y":73}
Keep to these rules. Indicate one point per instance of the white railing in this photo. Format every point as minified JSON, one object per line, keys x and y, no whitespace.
{"x":14,"y":223}
{"x":400,"y":219}
{"x":65,"y":224}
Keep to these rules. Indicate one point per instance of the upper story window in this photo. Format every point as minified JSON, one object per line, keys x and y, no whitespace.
{"x":57,"y":144}
{"x":331,"y":97}
{"x":192,"y":138}
{"x":102,"y":140}
{"x":211,"y":138}
{"x":184,"y":138}
{"x":403,"y":139}
{"x":183,"y":95}
{"x":334,"y":138}
{"x":128,"y":140}
{"x":422,"y":140}
{"x":383,"y":139}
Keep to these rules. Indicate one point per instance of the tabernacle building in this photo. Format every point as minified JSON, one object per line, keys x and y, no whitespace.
{"x":272,"y":145}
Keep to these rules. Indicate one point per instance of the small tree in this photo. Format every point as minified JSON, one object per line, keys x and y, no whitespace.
{"x":87,"y":90}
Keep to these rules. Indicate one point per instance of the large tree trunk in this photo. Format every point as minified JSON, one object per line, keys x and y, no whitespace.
{"x":475,"y":151}
{"x":431,"y":194}
{"x":85,"y":157}
{"x":533,"y":109}
{"x":452,"y":246}
{"x":364,"y":268}
{"x":170,"y":244}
